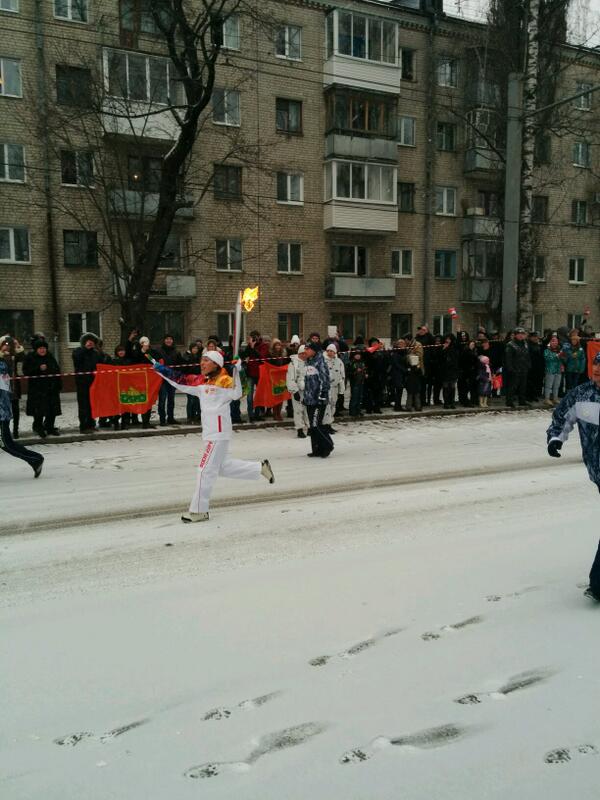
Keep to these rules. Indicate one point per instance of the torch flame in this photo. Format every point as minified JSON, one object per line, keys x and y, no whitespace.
{"x":249,"y":298}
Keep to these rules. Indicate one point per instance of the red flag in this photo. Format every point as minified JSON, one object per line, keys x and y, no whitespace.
{"x":453,"y":312}
{"x":123,"y":390}
{"x":593,"y":347}
{"x":272,"y":388}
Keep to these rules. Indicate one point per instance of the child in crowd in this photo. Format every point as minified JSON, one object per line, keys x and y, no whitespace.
{"x":484,"y":381}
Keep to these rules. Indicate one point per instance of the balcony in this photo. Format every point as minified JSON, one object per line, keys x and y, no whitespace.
{"x":482,"y":291}
{"x":128,"y":203}
{"x":174,"y":285}
{"x":128,"y":118}
{"x":353,"y":289}
{"x":359,"y":217}
{"x":348,"y":71}
{"x":481,"y":159}
{"x":478,"y":226}
{"x":362,"y":147}
{"x":482,"y":92}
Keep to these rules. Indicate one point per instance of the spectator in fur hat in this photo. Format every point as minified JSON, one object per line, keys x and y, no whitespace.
{"x":85,"y":360}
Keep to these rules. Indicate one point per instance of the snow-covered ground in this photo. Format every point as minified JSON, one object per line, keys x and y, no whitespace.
{"x":312,"y":646}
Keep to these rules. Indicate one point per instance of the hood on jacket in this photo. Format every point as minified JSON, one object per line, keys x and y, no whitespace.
{"x":88,"y":337}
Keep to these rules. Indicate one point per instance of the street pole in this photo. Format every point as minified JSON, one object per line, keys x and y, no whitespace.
{"x":512,"y":202}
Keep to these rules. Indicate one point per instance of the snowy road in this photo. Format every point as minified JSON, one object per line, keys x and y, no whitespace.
{"x":311,"y":646}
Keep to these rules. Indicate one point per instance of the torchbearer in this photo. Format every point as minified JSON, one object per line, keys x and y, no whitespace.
{"x":216,"y":390}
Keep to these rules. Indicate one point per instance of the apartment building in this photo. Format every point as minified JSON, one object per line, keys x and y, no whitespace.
{"x":343,"y":167}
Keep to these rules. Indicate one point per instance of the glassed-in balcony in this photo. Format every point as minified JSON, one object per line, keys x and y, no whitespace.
{"x":360,"y":196}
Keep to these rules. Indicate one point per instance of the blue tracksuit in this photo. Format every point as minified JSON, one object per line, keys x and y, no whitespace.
{"x":582,"y":406}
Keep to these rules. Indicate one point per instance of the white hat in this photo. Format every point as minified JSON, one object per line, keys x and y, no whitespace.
{"x":215,"y":356}
{"x":301,"y":349}
{"x":295,"y":339}
{"x":332,"y":347}
{"x":144,"y":340}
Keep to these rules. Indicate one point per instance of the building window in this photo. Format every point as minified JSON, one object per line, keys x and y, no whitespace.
{"x":288,"y":115}
{"x":226,"y":106}
{"x":289,"y":257}
{"x":577,"y":270}
{"x":143,"y":173}
{"x":288,"y":42}
{"x":10,"y":77}
{"x":406,"y":131}
{"x":350,"y":325}
{"x":17,"y":323}
{"x":402,"y":263}
{"x":442,"y":324}
{"x":361,"y":113}
{"x":356,"y":180}
{"x":581,"y":154}
{"x":289,"y":325}
{"x":160,"y":323}
{"x":170,"y":257}
{"x":76,"y":168}
{"x":231,"y":33}
{"x":73,"y":10}
{"x":481,"y":128}
{"x":445,"y":201}
{"x":539,"y":269}
{"x":14,"y":245}
{"x":445,"y":264}
{"x":408,"y":58}
{"x":9,"y":5}
{"x":370,"y":38}
{"x":579,"y":212}
{"x":406,"y":197}
{"x":584,"y":102}
{"x":290,"y":188}
{"x":227,"y":182}
{"x":349,"y":259}
{"x":12,"y":162}
{"x":225,"y":325}
{"x":446,"y":136}
{"x":538,"y":323}
{"x":137,"y":16}
{"x":80,"y":322}
{"x":447,"y":72}
{"x":542,"y":149}
{"x":574,"y":321}
{"x":229,"y":255}
{"x":402,"y":325}
{"x":539,"y":209}
{"x":489,"y":202}
{"x":80,"y":248}
{"x":73,"y":86}
{"x":134,"y":76}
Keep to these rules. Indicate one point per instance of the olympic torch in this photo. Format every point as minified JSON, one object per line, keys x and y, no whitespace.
{"x":245,"y":300}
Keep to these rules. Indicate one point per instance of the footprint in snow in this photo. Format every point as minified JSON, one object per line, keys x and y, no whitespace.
{"x":423,"y":740}
{"x":246,"y":705}
{"x":355,"y":649}
{"x":515,"y":684}
{"x":430,"y":636}
{"x":271,"y":743}
{"x":563,"y":754}
{"x":496,"y":598}
{"x":74,"y":739}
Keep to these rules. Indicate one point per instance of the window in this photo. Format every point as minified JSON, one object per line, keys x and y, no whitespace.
{"x":361,"y":113}
{"x":538,"y":322}
{"x":581,"y":154}
{"x":9,"y":5}
{"x":445,"y":264}
{"x":134,"y":76}
{"x":80,"y":322}
{"x":445,"y":200}
{"x":289,"y":257}
{"x":408,"y":58}
{"x":356,"y":180}
{"x":489,"y":202}
{"x":579,"y":212}
{"x":370,"y":38}
{"x":144,"y":173}
{"x":542,"y":149}
{"x":80,"y":248}
{"x":227,"y":182}
{"x":406,"y":131}
{"x":288,"y":325}
{"x":349,"y":259}
{"x":229,"y":255}
{"x":577,"y":270}
{"x":288,"y":115}
{"x":402,"y":325}
{"x":231,"y":33}
{"x":288,"y":42}
{"x":350,"y":325}
{"x":584,"y":102}
{"x":539,"y":271}
{"x":74,"y":10}
{"x":574,"y":321}
{"x":76,"y":168}
{"x":402,"y":263}
{"x":17,"y":322}
{"x":137,"y":16}
{"x":225,"y":325}
{"x":539,"y":209}
{"x":406,"y":197}
{"x":447,"y":72}
{"x":159,"y":323}
{"x":446,"y":136}
{"x":14,"y":245}
{"x":12,"y":163}
{"x":290,"y":188}
{"x":73,"y":86}
{"x":442,"y":324}
{"x":481,"y":128}
{"x":226,"y":106}
{"x":10,"y":78}
{"x":171,"y":254}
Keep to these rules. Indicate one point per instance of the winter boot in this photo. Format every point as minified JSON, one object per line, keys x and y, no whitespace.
{"x":37,"y":471}
{"x":190,"y":516}
{"x":592,"y":594}
{"x":300,"y":434}
{"x":267,"y":472}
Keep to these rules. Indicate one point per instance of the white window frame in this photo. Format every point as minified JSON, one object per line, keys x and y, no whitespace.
{"x":443,"y":325}
{"x":229,"y":268}
{"x":574,"y":320}
{"x":356,"y":248}
{"x":402,"y":254}
{"x":577,"y":206}
{"x":227,"y":95}
{"x":78,"y":185}
{"x":447,"y":64}
{"x":289,"y":270}
{"x":230,"y":323}
{"x":148,"y":58}
{"x":6,"y":164}
{"x":578,"y":149}
{"x":289,"y":176}
{"x":446,"y":277}
{"x":584,"y":102}
{"x":446,"y":192}
{"x":404,"y":120}
{"x":11,"y":243}
{"x":232,"y":39}
{"x":538,"y":323}
{"x":333,"y":165}
{"x":14,"y":10}
{"x":69,"y":16}
{"x":577,"y":265}
{"x":17,"y":62}
{"x":287,"y":40}
{"x":84,"y":328}
{"x":536,"y":276}
{"x":381,"y":20}
{"x":442,"y":129}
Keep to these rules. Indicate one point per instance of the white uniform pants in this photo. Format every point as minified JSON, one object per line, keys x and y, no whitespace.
{"x":330,"y":411}
{"x":300,"y":415}
{"x":215,"y":462}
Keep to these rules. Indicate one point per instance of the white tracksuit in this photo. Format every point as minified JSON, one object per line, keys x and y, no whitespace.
{"x":215,"y":398}
{"x":337,"y":386}
{"x":295,"y":383}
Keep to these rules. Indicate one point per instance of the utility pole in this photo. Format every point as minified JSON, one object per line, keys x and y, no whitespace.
{"x":512,"y":202}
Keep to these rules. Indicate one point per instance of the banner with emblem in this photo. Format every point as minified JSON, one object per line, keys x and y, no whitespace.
{"x":272,"y":388}
{"x":123,"y":390}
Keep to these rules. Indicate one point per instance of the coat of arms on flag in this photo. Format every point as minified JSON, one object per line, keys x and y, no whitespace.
{"x":123,"y":390}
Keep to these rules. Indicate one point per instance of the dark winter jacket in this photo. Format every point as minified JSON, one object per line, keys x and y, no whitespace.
{"x":134,"y":353}
{"x":43,"y":394}
{"x":516,"y":357}
{"x":399,"y":366}
{"x":582,"y":406}
{"x":468,"y":363}
{"x":85,"y":360}
{"x":449,"y":364}
{"x":5,"y":392}
{"x":254,"y":356}
{"x":357,"y":372}
{"x":427,"y":340}
{"x":169,"y":356}
{"x":316,"y":381}
{"x":192,"y":362}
